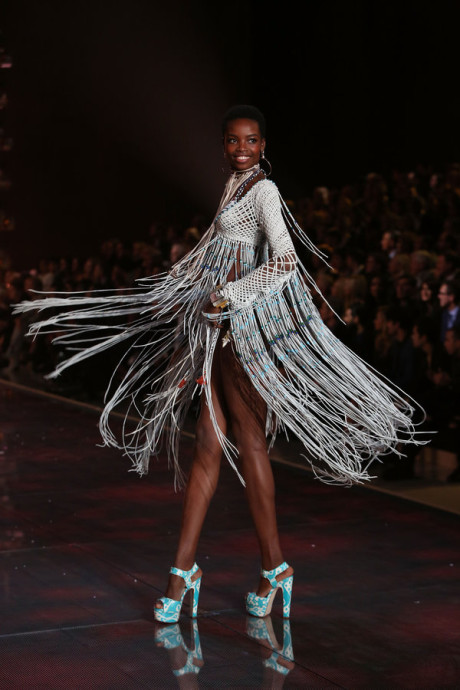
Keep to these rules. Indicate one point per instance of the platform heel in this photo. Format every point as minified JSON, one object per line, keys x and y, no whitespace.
{"x":171,"y":608}
{"x":170,"y":637}
{"x":262,"y":606}
{"x":261,"y":629}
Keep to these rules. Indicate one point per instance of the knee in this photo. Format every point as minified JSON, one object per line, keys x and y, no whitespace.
{"x":207,"y":445}
{"x":251,"y":442}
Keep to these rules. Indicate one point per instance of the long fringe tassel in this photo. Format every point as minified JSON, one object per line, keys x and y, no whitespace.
{"x":344,"y":413}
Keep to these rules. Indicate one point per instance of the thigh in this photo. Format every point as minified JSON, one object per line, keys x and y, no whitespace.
{"x":205,"y":432}
{"x":247,"y":410}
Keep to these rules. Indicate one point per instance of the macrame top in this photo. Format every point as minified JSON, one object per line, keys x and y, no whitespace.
{"x":256,"y":219}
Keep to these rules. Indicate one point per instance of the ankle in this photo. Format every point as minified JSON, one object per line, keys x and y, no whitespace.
{"x":186,"y":563}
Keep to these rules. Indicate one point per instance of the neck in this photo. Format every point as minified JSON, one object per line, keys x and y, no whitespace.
{"x":248,"y":170}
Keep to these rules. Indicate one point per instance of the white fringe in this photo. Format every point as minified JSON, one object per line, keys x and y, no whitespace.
{"x":345,"y":414}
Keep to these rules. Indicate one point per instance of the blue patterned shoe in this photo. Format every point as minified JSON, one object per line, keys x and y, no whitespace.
{"x":262,"y":629}
{"x":262,"y":606}
{"x":194,"y":656}
{"x":171,"y":637}
{"x":171,"y":608}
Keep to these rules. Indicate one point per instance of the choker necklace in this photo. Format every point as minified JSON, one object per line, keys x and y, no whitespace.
{"x":242,"y":188}
{"x":237,"y":173}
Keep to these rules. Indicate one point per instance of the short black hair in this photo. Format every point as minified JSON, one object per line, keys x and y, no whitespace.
{"x":244,"y":112}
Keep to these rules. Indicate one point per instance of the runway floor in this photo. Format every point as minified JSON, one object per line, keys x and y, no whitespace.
{"x":86,"y":548}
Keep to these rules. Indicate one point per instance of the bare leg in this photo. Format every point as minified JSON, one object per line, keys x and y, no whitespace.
{"x":201,"y":483}
{"x":247,"y":413}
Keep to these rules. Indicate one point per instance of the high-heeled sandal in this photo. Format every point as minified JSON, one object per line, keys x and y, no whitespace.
{"x":171,"y":637}
{"x":262,"y":606}
{"x":171,"y":608}
{"x":262,"y":629}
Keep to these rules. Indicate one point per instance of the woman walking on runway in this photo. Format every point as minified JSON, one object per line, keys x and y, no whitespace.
{"x":254,"y":342}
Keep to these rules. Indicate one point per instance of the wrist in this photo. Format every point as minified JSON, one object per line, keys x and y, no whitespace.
{"x":218,"y":299}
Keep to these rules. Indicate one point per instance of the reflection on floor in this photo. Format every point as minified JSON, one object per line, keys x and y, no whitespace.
{"x":186,"y":661}
{"x":85,"y":549}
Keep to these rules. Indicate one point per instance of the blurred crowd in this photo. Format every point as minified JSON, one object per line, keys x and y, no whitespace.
{"x":391,"y":288}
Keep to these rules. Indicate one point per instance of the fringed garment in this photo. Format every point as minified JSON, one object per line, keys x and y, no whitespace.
{"x":344,"y":413}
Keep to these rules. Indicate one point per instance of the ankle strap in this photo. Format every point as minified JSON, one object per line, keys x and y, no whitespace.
{"x":270,"y":575}
{"x":185,"y":574}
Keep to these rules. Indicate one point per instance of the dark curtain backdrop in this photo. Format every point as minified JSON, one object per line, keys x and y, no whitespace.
{"x":115,"y":108}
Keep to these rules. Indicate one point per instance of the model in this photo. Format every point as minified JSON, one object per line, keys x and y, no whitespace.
{"x":235,"y":317}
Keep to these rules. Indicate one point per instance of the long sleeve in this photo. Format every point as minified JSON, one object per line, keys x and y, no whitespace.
{"x":282,"y":259}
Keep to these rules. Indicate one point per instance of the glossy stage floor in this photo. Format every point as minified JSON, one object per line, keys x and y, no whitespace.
{"x":86,"y":547}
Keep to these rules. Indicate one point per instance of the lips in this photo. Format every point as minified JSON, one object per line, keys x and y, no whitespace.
{"x":241,"y":159}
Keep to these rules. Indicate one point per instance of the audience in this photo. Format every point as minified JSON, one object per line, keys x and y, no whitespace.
{"x":394,"y":278}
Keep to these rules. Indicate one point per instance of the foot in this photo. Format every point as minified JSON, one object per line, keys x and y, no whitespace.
{"x":176,"y":586}
{"x":265,"y":586}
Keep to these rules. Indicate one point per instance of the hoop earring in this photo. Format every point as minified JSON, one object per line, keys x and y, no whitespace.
{"x":266,"y":162}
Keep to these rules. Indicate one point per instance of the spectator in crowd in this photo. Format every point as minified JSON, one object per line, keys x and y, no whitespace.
{"x":452,"y":346}
{"x":46,"y":273}
{"x":421,"y":266}
{"x":426,"y":301}
{"x":358,"y":336}
{"x":449,"y":297}
{"x":382,"y":341}
{"x":399,"y":328}
{"x":376,"y":295}
{"x":446,"y":398}
{"x":388,"y":243}
{"x":177,"y":251}
{"x":404,"y":291}
{"x":423,"y":339}
{"x":447,"y":267}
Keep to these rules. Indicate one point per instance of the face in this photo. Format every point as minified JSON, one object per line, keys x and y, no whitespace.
{"x":416,"y":339}
{"x":371,"y":264}
{"x":391,"y":328}
{"x":440,"y":264}
{"x":444,"y":297}
{"x":425,"y":292}
{"x":375,"y":287}
{"x":403,"y":288}
{"x":243,"y":143}
{"x":348,"y":316}
{"x":386,"y":242}
{"x":379,"y":321}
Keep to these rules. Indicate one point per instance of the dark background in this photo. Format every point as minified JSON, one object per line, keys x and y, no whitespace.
{"x":115,"y":107}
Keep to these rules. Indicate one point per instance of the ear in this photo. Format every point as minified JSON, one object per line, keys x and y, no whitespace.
{"x":262,"y":145}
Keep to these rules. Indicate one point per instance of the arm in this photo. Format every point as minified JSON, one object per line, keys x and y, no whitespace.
{"x":283,"y":257}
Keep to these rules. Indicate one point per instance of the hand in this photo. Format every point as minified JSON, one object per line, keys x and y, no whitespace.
{"x":211,"y":309}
